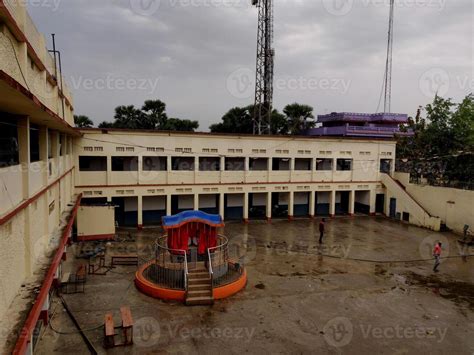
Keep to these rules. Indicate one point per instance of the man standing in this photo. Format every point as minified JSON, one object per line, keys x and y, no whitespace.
{"x":437,"y":256}
{"x":321,"y":230}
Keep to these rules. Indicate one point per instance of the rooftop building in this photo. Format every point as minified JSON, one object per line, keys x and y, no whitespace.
{"x":350,"y":124}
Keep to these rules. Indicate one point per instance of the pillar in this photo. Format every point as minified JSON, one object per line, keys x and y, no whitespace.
{"x":291,"y":205}
{"x":332,"y":203}
{"x":312,"y":203}
{"x":109,"y":170}
{"x":222,"y":205}
{"x":168,"y":205}
{"x":24,"y":153}
{"x":43,"y":153}
{"x":351,"y":202}
{"x":372,"y":199}
{"x":246,"y":207}
{"x":269,"y":207}
{"x":140,"y":212}
{"x":169,"y":168}
{"x":222,"y":164}
{"x":196,"y":202}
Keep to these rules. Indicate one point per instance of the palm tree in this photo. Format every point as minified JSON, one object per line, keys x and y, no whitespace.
{"x":299,"y":117}
{"x":82,"y":121}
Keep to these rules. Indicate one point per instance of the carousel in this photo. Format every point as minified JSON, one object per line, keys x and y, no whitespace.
{"x":191,"y":262}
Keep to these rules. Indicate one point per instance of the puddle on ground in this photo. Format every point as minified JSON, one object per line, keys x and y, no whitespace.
{"x":459,"y":292}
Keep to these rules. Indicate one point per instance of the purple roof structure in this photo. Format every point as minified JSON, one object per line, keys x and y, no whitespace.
{"x":351,"y":124}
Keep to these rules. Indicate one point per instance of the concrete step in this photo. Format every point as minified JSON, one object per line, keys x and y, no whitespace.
{"x":200,"y":277}
{"x":196,"y":301}
{"x":199,"y":287}
{"x":199,"y":281}
{"x":199,"y":293}
{"x":197,"y":273}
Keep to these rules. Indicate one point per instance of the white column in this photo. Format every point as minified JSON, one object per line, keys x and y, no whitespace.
{"x":351,"y":202}
{"x":169,"y":169}
{"x":24,"y":154}
{"x":43,"y":147}
{"x":196,"y":202}
{"x":372,"y":199}
{"x":109,"y":170}
{"x":291,"y":205}
{"x":269,"y":206}
{"x":332,"y":203}
{"x":168,"y":205}
{"x":221,"y":205}
{"x":246,"y":206}
{"x":312,"y":204}
{"x":140,"y":212}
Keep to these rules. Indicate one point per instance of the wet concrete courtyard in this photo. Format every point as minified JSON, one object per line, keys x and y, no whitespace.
{"x":369,"y":288}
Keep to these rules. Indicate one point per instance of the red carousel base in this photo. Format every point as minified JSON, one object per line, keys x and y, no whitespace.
{"x":153,"y":290}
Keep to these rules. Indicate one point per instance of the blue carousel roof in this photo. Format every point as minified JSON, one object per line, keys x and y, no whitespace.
{"x":192,"y":216}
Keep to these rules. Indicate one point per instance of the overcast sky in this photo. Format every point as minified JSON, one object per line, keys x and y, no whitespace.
{"x":198,"y":56}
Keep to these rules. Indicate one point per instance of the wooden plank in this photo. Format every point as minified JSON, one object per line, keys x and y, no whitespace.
{"x":127,"y":321}
{"x":109,"y":325}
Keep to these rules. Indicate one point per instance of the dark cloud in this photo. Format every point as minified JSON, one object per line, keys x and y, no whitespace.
{"x":192,"y":53}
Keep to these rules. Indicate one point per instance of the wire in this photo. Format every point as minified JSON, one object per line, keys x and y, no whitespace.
{"x":18,"y":62}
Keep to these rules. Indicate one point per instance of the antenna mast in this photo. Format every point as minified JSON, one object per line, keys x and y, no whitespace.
{"x":264,"y":73}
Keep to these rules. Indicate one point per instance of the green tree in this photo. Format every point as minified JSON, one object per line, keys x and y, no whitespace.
{"x":82,"y":121}
{"x":105,"y":124}
{"x":240,"y":120}
{"x":155,"y":112}
{"x":442,"y":146}
{"x":177,"y":124}
{"x":299,"y":118}
{"x":131,"y":118}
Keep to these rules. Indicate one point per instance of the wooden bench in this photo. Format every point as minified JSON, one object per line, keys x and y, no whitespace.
{"x":127,"y":260}
{"x":127,"y":325}
{"x":109,"y":331}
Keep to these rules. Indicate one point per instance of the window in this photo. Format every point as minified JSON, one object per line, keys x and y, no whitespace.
{"x":344,"y":164}
{"x":50,"y":145}
{"x":385,"y":166}
{"x":34,"y":144}
{"x":124,"y":163}
{"x":209,"y":164}
{"x":302,"y":164}
{"x":324,"y":164}
{"x":280,"y":164}
{"x":87,"y":163}
{"x":61,"y":145}
{"x":234,"y":164}
{"x":8,"y":144}
{"x":258,"y":164}
{"x":182,"y":163}
{"x":155,"y":164}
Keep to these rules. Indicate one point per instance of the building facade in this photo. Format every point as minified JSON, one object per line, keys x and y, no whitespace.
{"x":36,"y":152}
{"x":151,"y":174}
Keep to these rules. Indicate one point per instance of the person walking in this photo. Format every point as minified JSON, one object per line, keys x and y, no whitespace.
{"x":321,"y":230}
{"x":437,"y":256}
